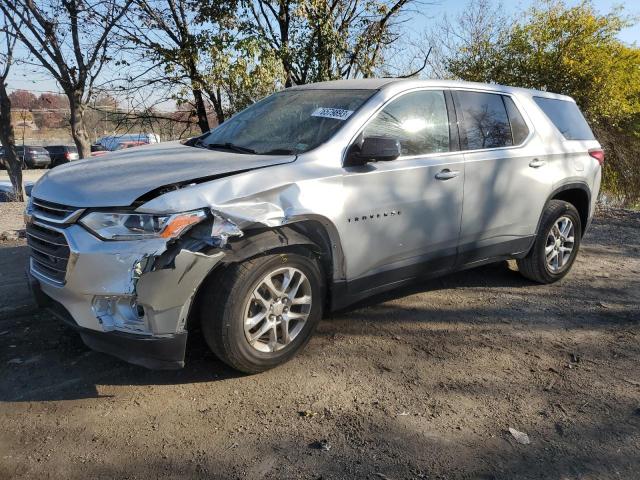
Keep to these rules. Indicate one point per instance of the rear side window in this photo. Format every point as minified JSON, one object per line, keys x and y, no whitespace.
{"x":55,"y":149}
{"x":418,"y":120}
{"x":485,"y":123}
{"x":567,"y":118}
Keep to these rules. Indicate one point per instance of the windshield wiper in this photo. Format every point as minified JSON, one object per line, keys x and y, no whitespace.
{"x":230,"y":146}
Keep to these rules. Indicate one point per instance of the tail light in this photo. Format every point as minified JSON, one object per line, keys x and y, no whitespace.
{"x":598,"y":154}
{"x":67,"y":155}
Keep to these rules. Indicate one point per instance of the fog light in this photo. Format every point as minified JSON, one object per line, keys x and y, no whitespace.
{"x":120,"y":313}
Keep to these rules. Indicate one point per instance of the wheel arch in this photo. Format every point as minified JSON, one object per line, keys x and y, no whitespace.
{"x":577,"y":194}
{"x":313,"y":233}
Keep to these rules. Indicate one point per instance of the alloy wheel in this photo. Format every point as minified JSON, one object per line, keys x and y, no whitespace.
{"x":277,"y":309}
{"x":560,"y":244}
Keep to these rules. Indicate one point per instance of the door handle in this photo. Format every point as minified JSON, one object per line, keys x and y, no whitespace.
{"x":446,"y":174}
{"x":535,"y":163}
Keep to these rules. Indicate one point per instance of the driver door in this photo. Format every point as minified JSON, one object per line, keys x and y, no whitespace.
{"x":403,"y":216}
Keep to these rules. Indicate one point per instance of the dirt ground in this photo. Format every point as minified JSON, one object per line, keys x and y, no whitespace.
{"x":420,"y":383}
{"x":32,"y":174}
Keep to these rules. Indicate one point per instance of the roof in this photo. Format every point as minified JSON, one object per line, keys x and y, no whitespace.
{"x":407,"y":83}
{"x":352,"y":84}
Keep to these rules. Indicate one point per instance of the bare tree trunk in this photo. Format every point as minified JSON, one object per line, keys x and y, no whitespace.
{"x":8,"y":142}
{"x":76,"y":120}
{"x":201,"y":110}
{"x":215,"y":97}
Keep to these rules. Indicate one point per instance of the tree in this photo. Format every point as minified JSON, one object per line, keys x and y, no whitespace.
{"x":318,"y":40}
{"x":51,"y":110}
{"x":6,"y":128}
{"x":22,"y":99}
{"x":168,"y":34}
{"x":52,"y":101}
{"x":72,"y":40}
{"x":464,"y":47}
{"x":573,"y":51}
{"x":242,"y":72}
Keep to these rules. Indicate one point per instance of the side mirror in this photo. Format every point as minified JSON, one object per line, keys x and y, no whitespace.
{"x":381,"y":149}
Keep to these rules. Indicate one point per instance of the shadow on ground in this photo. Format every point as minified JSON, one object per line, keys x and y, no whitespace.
{"x":422,"y":382}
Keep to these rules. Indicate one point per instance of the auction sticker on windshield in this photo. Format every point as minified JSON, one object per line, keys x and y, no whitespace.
{"x":336,"y":113}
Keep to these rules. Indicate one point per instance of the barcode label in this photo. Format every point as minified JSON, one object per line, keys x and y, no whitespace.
{"x":336,"y":113}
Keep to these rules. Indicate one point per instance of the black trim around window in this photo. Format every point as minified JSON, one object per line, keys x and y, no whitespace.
{"x":464,"y":141}
{"x":454,"y":130}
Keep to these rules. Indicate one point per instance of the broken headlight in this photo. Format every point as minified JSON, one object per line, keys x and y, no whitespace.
{"x":138,"y":226}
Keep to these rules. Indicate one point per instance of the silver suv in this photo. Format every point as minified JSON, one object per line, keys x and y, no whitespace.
{"x":309,"y":200}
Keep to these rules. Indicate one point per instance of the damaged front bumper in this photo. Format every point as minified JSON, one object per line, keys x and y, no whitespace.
{"x":130,"y":299}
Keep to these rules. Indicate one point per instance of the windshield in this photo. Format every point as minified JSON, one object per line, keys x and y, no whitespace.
{"x":288,"y":122}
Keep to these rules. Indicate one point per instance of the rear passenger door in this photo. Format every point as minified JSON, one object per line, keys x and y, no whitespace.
{"x":506,"y":185}
{"x":403,"y":216}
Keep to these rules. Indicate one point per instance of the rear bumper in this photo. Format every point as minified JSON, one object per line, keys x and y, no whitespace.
{"x":155,"y":352}
{"x":37,"y":162}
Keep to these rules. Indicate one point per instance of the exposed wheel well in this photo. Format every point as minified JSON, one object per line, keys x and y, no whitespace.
{"x":306,"y":236}
{"x":579,"y":199}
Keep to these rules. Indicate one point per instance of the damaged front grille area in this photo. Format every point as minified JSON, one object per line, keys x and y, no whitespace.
{"x":48,"y":246}
{"x":49,"y":252}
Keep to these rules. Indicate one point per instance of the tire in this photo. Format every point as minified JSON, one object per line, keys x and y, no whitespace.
{"x":536,"y":266}
{"x":226,"y":303}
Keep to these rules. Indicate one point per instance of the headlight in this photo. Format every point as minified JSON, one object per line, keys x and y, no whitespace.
{"x":138,"y":226}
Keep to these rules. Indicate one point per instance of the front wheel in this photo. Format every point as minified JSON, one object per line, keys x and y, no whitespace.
{"x":261,"y":312}
{"x":556,"y":244}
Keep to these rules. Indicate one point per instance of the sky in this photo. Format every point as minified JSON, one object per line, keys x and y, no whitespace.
{"x":452,"y":8}
{"x":34,"y":79}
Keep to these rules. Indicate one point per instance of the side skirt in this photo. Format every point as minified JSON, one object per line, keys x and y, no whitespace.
{"x":345,"y":293}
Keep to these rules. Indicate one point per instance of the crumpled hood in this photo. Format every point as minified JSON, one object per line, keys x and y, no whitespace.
{"x":119,"y":178}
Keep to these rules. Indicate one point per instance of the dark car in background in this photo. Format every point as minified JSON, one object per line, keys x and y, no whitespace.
{"x":62,"y":154}
{"x":96,"y":147}
{"x":30,"y":156}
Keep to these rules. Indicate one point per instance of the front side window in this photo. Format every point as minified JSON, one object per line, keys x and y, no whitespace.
{"x":418,"y":120}
{"x":288,"y":122}
{"x":485,"y":123}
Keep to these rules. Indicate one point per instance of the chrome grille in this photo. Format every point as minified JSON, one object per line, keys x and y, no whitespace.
{"x":49,"y":252}
{"x":54,"y":212}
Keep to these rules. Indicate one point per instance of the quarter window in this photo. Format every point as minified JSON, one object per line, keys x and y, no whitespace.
{"x":418,"y":120}
{"x":485,"y":123}
{"x":519,"y":129}
{"x":567,"y":118}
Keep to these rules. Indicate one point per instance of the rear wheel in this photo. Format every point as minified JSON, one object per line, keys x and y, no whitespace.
{"x":261,"y":312}
{"x":556,"y":244}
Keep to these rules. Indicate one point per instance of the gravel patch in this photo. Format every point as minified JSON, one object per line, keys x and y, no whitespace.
{"x":11,"y":217}
{"x":474,"y":376}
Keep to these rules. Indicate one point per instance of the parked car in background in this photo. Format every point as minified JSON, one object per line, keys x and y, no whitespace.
{"x":96,"y":147}
{"x":129,"y":144}
{"x":62,"y":154}
{"x":6,"y":190}
{"x":30,"y":156}
{"x":119,"y":146}
{"x":312,"y":199}
{"x":111,"y":142}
